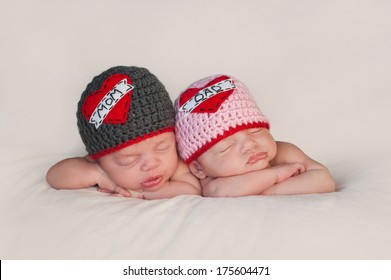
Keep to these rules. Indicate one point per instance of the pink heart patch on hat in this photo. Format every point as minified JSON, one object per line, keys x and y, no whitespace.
{"x":208,"y":98}
{"x":110,"y":104}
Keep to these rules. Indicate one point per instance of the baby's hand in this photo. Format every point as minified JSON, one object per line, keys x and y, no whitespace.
{"x":285,"y":171}
{"x":136,"y":194}
{"x":122,"y":192}
{"x":106,"y":185}
{"x":298,"y":167}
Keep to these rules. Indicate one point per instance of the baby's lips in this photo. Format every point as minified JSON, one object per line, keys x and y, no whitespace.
{"x":152,"y":182}
{"x":257,"y":157}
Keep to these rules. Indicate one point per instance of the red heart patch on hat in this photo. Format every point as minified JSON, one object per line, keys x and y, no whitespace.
{"x":208,"y":98}
{"x":110,"y":104}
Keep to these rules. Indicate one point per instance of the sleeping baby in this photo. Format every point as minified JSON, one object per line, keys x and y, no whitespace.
{"x":126,"y":121}
{"x":225,"y":139}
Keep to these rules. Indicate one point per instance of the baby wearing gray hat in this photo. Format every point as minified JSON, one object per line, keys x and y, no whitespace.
{"x":126,"y":120}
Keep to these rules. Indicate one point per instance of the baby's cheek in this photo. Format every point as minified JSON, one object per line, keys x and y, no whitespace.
{"x":127,"y":181}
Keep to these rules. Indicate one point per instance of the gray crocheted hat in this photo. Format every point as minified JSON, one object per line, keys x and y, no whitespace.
{"x":123,"y":106}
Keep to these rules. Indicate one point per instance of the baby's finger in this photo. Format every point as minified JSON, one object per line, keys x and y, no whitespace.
{"x":104,"y":191}
{"x":122,"y":191}
{"x":136,"y":194}
{"x":118,"y":192}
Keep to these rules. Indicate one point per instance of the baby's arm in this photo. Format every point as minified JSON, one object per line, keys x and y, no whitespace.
{"x":252,"y":183}
{"x":315,"y":179}
{"x":182,"y":182}
{"x":79,"y":173}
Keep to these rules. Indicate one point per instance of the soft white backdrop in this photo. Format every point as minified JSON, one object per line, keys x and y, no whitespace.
{"x":320,"y":70}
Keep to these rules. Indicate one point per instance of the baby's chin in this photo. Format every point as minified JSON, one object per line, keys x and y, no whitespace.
{"x":260,"y":165}
{"x":246,"y":169}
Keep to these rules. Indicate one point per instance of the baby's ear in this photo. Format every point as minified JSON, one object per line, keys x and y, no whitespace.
{"x":197,"y":170}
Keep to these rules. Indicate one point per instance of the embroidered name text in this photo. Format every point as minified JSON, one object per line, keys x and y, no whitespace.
{"x":108,"y":102}
{"x":206,"y":93}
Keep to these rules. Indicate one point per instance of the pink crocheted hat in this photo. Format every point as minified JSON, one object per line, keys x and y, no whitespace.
{"x":211,"y":109}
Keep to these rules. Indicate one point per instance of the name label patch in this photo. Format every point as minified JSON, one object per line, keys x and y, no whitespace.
{"x":108,"y":102}
{"x":204,"y":99}
{"x":111,"y":103}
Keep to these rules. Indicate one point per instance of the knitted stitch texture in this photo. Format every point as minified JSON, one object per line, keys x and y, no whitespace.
{"x":212,"y":109}
{"x":122,"y":106}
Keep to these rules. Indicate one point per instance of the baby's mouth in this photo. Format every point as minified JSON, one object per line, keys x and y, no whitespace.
{"x":152,"y":181}
{"x":257,"y":157}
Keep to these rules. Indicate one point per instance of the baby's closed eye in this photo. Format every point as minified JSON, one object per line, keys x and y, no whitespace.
{"x":128,"y":160}
{"x":255,"y":130}
{"x":225,"y":148}
{"x":163,"y":147}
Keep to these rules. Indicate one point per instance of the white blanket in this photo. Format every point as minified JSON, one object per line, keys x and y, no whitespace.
{"x":40,"y":222}
{"x":320,"y":71}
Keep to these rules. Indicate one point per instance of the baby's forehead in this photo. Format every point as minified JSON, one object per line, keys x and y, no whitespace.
{"x":146,"y":144}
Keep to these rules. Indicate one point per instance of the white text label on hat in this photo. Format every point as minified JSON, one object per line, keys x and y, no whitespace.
{"x":108,"y":102}
{"x":206,"y":93}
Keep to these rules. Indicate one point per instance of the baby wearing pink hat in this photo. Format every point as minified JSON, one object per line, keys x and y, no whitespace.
{"x":224,"y":138}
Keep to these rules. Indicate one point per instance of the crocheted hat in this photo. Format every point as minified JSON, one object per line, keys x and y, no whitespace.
{"x":122,"y":106}
{"x":211,"y":109}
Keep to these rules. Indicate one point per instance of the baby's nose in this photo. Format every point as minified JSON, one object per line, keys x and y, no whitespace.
{"x":150,"y":162}
{"x":247,"y":145}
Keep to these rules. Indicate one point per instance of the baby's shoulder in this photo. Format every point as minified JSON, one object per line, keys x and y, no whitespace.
{"x":288,"y":152}
{"x":182,"y":172}
{"x":286,"y":146}
{"x":181,"y":169}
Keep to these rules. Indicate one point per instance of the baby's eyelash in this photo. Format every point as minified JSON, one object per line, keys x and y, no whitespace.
{"x":255,"y":131}
{"x":128,"y":161}
{"x":163,"y":148}
{"x":225,"y":149}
